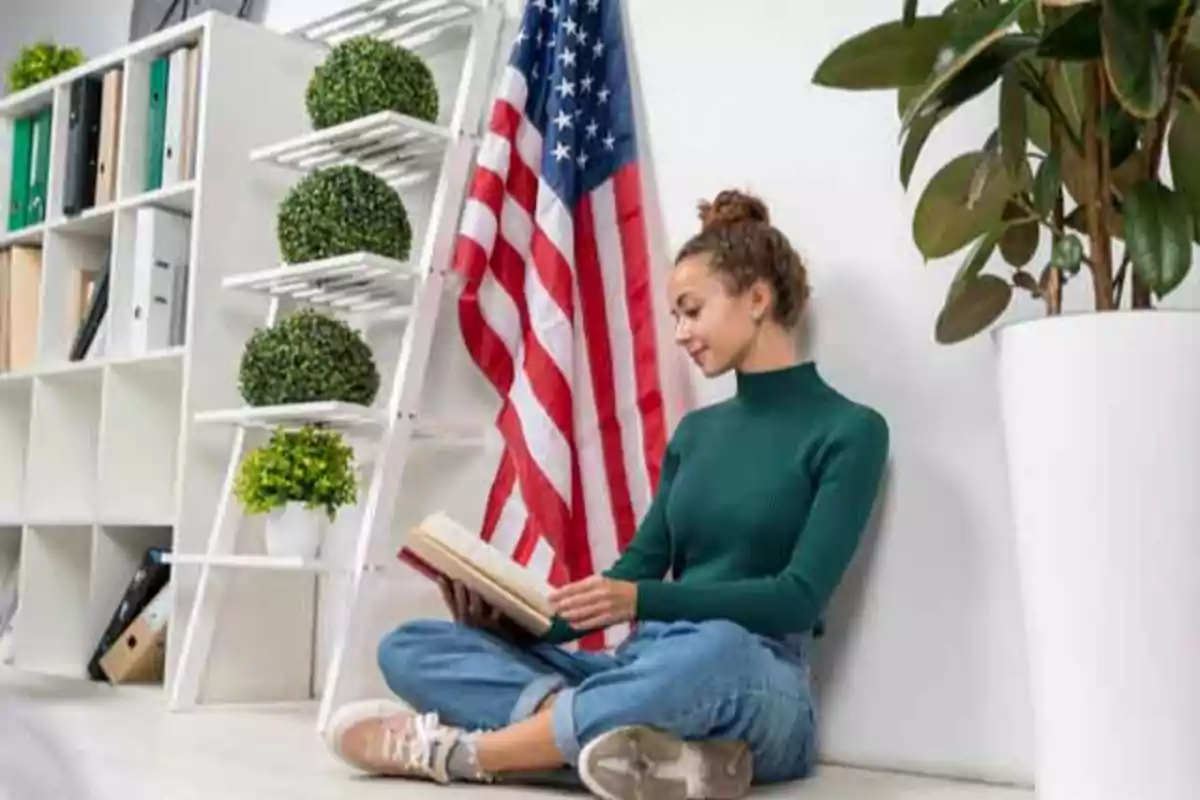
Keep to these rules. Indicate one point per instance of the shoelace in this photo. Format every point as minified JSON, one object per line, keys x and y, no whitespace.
{"x":413,"y":744}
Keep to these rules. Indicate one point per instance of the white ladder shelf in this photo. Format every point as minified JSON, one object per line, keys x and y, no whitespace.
{"x":403,"y":151}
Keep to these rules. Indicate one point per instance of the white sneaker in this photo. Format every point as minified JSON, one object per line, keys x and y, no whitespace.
{"x":383,"y":737}
{"x":633,"y":763}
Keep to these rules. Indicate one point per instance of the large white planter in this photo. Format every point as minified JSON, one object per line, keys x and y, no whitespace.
{"x":294,"y":531}
{"x":1102,"y":426}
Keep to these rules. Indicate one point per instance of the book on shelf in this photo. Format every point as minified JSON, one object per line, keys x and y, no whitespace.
{"x":440,"y":547}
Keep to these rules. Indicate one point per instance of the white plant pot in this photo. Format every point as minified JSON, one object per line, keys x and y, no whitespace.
{"x":294,"y":531}
{"x":1102,"y":427}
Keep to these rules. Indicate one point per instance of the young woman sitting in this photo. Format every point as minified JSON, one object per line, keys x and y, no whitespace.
{"x":760,"y":507}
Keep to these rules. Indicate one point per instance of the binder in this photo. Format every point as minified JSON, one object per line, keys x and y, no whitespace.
{"x":173,"y":132}
{"x":191,"y":94}
{"x":83,"y":145}
{"x":18,"y":196}
{"x":39,"y":166}
{"x":5,"y":334}
{"x":161,"y":246}
{"x":156,"y":122}
{"x":24,"y":287}
{"x":110,"y":133}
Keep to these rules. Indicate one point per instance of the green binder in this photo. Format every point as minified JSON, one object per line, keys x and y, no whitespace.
{"x":156,"y":122}
{"x":40,"y":164}
{"x":18,"y":193}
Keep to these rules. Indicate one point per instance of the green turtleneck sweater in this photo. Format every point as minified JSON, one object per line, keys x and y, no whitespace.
{"x":760,"y":507}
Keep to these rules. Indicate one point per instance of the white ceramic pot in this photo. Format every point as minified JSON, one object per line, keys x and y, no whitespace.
{"x":1102,"y":426}
{"x":294,"y":531}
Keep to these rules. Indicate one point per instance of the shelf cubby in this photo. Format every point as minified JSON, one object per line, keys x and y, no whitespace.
{"x":139,"y":441}
{"x":52,"y":630}
{"x":15,"y":402}
{"x":117,"y":552}
{"x":64,"y":435}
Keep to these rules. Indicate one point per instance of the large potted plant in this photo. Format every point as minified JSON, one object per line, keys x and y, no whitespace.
{"x":299,"y":479}
{"x":1068,"y":202}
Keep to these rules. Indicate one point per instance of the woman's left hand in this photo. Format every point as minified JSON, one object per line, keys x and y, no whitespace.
{"x":596,"y":602}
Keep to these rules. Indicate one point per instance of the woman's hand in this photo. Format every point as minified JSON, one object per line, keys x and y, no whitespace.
{"x":468,"y":608}
{"x":596,"y":602}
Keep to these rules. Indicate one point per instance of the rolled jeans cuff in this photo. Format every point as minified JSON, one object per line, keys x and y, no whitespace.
{"x":562,"y":721}
{"x":533,"y":694}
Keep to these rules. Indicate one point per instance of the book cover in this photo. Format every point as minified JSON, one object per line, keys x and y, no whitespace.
{"x":440,"y":547}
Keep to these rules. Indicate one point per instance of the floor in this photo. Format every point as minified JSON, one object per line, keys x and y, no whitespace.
{"x":65,"y":738}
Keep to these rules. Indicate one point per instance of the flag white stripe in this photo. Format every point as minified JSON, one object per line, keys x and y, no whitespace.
{"x":620,"y":336}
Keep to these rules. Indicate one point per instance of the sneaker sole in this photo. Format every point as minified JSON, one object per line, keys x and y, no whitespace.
{"x":645,"y":764}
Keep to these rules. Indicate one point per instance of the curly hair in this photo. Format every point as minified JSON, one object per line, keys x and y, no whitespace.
{"x":743,"y":247}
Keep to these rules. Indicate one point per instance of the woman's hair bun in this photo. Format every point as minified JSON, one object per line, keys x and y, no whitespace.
{"x":732,"y":206}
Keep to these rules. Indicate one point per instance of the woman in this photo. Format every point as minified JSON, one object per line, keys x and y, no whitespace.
{"x":761,"y":504}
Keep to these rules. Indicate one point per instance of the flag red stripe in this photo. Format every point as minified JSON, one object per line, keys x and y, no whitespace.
{"x":639,"y":300}
{"x":545,"y":505}
{"x":600,"y":358}
{"x":502,"y":486}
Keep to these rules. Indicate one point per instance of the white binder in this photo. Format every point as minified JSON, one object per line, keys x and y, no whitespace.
{"x":173,"y":135}
{"x":160,"y":258}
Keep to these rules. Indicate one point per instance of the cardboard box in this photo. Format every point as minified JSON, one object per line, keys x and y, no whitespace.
{"x":139,"y":654}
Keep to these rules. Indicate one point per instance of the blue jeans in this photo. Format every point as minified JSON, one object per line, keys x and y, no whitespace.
{"x":710,"y":680}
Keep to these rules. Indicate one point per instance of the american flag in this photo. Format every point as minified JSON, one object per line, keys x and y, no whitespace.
{"x":557,"y":308}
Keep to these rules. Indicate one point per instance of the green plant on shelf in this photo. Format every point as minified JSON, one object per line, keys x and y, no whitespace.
{"x":365,"y":75}
{"x":39,"y":62}
{"x":311,"y":466}
{"x":306,"y":357}
{"x":342,"y":210}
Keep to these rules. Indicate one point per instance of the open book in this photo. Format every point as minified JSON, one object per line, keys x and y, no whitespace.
{"x":440,"y":546}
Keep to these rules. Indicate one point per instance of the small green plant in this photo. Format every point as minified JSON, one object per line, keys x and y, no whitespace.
{"x":365,"y":75}
{"x":307,"y":357}
{"x":342,"y":210}
{"x":40,"y":61}
{"x":311,"y":466}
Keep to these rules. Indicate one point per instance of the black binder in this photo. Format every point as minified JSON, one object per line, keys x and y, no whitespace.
{"x":83,"y":144}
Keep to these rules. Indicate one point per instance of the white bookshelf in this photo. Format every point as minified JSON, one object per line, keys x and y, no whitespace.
{"x":99,"y":458}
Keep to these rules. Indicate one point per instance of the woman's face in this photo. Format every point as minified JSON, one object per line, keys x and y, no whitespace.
{"x":714,"y":326}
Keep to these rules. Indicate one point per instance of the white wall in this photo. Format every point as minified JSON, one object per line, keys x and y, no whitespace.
{"x":95,"y":26}
{"x":924,"y":668}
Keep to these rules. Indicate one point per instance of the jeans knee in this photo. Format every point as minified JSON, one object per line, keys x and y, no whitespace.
{"x":401,"y":651}
{"x":712,"y":641}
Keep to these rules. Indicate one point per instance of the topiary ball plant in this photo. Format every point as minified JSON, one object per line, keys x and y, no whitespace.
{"x":365,"y":75}
{"x":41,"y":61}
{"x":307,"y":357}
{"x":310,"y":466}
{"x":340,"y":210}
